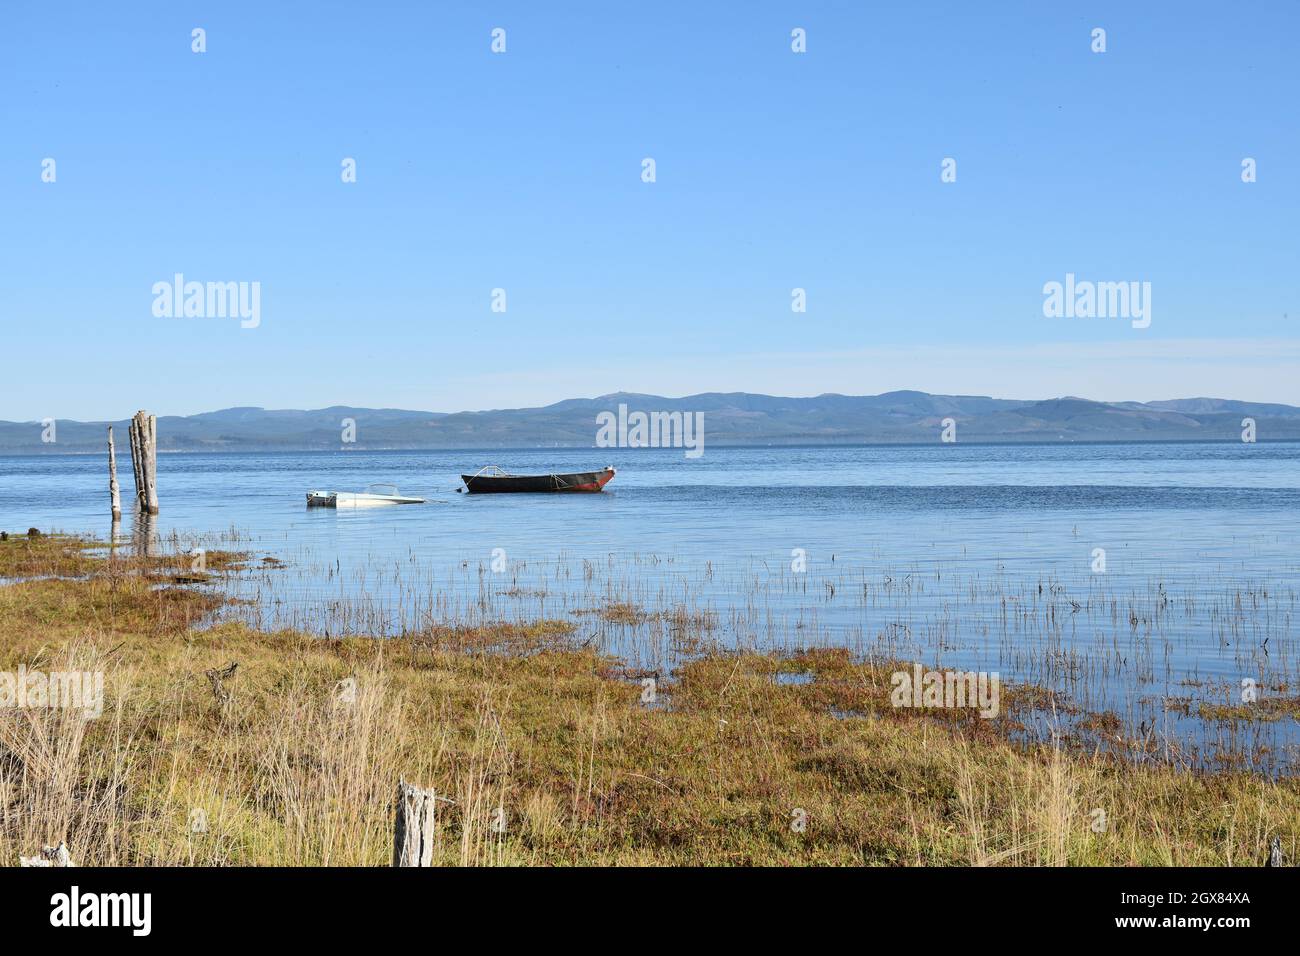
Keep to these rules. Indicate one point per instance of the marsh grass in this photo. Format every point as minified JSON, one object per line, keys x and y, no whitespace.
{"x":542,"y":753}
{"x":1144,"y":651}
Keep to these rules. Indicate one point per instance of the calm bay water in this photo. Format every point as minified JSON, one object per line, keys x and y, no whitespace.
{"x":960,"y":555}
{"x":1163,"y":508}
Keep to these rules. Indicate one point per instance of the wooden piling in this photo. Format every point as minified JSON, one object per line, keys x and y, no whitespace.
{"x":114,"y":493}
{"x":151,"y":463}
{"x":136,"y":474}
{"x":414,"y":826}
{"x":144,"y":460}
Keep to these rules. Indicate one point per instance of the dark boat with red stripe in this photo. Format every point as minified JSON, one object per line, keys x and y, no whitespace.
{"x":492,"y":480}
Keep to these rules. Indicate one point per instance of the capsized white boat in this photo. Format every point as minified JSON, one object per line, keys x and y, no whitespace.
{"x":380,"y":494}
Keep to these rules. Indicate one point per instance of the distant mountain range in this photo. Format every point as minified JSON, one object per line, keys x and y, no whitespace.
{"x":733,"y":418}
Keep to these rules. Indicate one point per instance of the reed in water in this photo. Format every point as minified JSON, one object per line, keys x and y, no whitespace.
{"x":543,"y":747}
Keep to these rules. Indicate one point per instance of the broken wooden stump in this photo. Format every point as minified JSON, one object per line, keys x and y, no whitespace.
{"x":1275,"y":855}
{"x":49,"y":856}
{"x":144,"y":460}
{"x":415,"y":825}
{"x":218,"y":678}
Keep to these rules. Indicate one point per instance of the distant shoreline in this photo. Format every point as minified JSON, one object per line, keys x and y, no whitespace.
{"x":715,"y":419}
{"x":623,"y":452}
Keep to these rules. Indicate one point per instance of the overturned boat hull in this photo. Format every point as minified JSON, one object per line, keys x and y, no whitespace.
{"x":348,"y":499}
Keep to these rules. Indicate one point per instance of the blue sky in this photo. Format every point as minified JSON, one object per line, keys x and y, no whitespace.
{"x":522,"y":171}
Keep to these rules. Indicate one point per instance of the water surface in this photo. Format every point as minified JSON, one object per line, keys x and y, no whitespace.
{"x":975,"y":556}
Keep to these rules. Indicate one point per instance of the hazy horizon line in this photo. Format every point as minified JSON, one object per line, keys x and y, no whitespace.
{"x":678,"y":398}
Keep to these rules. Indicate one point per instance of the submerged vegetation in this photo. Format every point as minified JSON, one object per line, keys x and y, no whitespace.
{"x":543,"y":748}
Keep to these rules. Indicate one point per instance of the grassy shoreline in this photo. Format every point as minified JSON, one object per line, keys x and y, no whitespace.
{"x":542,"y":748}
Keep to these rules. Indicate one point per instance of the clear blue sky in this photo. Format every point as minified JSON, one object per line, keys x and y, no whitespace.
{"x":523,"y":171}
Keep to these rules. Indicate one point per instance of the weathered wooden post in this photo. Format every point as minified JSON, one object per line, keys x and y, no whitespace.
{"x":413,"y":830}
{"x":137,"y":474}
{"x":1275,"y":855}
{"x":144,"y":460}
{"x":114,"y":493}
{"x":151,"y":464}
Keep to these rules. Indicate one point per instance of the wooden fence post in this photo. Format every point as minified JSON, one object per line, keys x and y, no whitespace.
{"x":114,"y":493}
{"x":414,"y":828}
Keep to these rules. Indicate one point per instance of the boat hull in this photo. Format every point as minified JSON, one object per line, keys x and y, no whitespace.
{"x":583,"y":481}
{"x":347,"y":499}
